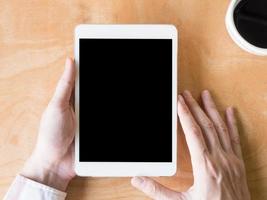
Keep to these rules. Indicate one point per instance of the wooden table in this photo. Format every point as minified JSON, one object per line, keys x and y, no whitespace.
{"x":36,"y":37}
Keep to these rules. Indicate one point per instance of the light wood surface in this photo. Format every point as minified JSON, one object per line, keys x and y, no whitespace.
{"x":36,"y":37}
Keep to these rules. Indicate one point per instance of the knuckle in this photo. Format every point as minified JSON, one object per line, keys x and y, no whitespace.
{"x":224,"y":129}
{"x":209,"y":125}
{"x":185,"y":110}
{"x":153,"y":188}
{"x":235,"y":140}
{"x":196,"y":130}
{"x":221,"y":127}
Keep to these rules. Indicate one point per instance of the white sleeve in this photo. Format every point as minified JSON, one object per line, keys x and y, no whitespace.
{"x":24,"y":189}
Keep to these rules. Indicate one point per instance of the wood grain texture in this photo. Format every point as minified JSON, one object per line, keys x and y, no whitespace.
{"x":36,"y":36}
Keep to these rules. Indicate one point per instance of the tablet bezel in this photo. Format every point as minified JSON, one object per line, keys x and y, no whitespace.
{"x":124,"y":169}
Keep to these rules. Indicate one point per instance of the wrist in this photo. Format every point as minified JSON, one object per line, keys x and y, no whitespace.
{"x":45,"y":173}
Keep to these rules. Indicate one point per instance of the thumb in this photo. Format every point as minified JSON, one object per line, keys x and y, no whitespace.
{"x":65,"y":84}
{"x":155,"y":190}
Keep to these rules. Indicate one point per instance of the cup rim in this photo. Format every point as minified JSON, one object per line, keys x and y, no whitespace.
{"x":235,"y":35}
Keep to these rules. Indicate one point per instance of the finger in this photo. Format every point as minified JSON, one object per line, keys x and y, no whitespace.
{"x":208,"y":129}
{"x":154,"y":190}
{"x":72,"y":149}
{"x":72,"y":99}
{"x":65,"y":85}
{"x":192,"y":131}
{"x":218,"y":122}
{"x":233,"y":132}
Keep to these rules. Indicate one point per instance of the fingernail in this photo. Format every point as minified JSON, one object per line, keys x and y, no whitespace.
{"x":230,"y":110}
{"x":68,"y":61}
{"x":187,"y":93}
{"x":206,"y":92}
{"x":137,"y":181}
{"x":180,"y":98}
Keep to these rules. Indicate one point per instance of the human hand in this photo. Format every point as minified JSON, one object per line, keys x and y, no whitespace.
{"x":51,"y":163}
{"x":214,"y":146}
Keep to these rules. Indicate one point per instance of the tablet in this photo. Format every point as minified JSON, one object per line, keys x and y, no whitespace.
{"x":125,"y":100}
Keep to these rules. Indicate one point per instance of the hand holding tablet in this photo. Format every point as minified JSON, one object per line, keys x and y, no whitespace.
{"x":213,"y":144}
{"x":215,"y":151}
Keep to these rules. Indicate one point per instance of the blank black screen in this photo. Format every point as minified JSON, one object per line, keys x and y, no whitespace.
{"x":125,"y":100}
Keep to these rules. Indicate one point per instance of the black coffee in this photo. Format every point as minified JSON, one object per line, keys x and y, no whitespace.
{"x":250,"y":17}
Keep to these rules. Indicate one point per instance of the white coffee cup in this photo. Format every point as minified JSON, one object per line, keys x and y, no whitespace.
{"x":235,"y":35}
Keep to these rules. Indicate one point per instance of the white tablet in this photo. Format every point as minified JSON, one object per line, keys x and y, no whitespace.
{"x":125,"y":100}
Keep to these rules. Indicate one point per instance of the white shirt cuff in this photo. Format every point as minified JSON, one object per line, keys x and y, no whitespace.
{"x":24,"y":189}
